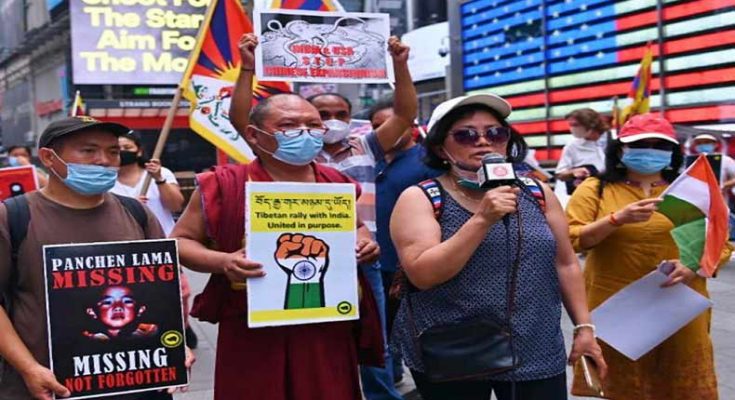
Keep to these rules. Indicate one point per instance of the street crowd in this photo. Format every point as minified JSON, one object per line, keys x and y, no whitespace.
{"x":461,"y":283}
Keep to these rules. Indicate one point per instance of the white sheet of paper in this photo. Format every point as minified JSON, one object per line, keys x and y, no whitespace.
{"x":643,"y":314}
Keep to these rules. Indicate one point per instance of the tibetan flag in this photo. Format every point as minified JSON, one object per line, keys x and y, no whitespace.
{"x":697,"y":208}
{"x":78,"y":108}
{"x":640,"y":91}
{"x":311,"y":5}
{"x":214,"y":65}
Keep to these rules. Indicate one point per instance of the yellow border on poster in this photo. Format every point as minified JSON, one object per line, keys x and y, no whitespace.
{"x":304,"y":313}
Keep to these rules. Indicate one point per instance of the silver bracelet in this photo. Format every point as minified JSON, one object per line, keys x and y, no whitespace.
{"x":580,"y":326}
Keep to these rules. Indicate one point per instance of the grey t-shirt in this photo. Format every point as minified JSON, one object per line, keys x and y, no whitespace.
{"x":53,"y":223}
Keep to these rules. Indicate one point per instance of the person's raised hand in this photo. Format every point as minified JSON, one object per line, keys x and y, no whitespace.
{"x":497,"y":203}
{"x":640,"y":211}
{"x":42,"y":383}
{"x":237,"y":268}
{"x":247,"y":45}
{"x":398,"y":50}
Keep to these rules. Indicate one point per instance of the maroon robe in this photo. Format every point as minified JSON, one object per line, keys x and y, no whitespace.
{"x":299,"y":362}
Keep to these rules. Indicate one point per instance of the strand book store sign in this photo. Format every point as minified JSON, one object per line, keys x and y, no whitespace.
{"x":133,"y":41}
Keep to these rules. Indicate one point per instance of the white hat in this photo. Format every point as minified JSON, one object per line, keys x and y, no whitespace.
{"x":705,"y":136}
{"x":497,"y":103}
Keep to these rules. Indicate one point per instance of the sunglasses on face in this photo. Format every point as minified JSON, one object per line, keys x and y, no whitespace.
{"x":658,"y":145}
{"x":469,"y":136}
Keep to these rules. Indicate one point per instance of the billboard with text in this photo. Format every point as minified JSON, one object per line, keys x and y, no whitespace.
{"x":133,"y":44}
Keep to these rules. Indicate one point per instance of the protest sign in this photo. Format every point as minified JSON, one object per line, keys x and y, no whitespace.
{"x":114,"y":316}
{"x":304,"y":235}
{"x":133,"y":41}
{"x":15,"y":181}
{"x":313,"y":46}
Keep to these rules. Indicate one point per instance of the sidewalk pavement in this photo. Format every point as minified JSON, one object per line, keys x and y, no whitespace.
{"x":722,"y":291}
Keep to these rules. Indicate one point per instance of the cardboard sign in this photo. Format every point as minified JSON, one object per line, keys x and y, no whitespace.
{"x":115,"y":322}
{"x":312,"y":46}
{"x":15,"y":181}
{"x":304,"y":235}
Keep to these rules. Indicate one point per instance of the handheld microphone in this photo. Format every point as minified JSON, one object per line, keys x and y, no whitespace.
{"x":495,"y":172}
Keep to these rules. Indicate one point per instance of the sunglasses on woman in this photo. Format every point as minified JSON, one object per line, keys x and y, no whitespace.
{"x":658,"y":145}
{"x":469,"y":136}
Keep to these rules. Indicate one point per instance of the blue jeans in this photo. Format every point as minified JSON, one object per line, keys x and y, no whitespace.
{"x":377,"y":383}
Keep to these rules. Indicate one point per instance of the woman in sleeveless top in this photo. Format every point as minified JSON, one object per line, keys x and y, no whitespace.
{"x":459,"y":262}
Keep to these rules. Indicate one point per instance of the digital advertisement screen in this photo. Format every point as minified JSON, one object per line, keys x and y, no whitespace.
{"x":121,"y":44}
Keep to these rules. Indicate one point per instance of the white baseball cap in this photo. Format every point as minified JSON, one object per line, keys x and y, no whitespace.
{"x":495,"y":102}
{"x":705,"y":136}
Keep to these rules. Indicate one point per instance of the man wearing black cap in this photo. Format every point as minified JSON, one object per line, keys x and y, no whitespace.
{"x":82,"y":156}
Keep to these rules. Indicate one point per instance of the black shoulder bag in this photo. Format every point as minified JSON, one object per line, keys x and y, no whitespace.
{"x":475,"y":348}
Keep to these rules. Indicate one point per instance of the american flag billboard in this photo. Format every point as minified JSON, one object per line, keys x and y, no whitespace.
{"x":551,"y":57}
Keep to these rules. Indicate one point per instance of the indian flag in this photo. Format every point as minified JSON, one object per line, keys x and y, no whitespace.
{"x":700,"y":216}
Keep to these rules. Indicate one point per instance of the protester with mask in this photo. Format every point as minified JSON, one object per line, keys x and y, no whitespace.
{"x":312,"y":361}
{"x":612,"y":218}
{"x":584,"y":155}
{"x":164,"y":196}
{"x":357,"y":157}
{"x":472,"y":254}
{"x":21,"y":155}
{"x":708,"y":144}
{"x":83,"y":156}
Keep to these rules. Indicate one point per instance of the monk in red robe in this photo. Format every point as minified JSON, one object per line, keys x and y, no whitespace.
{"x":299,"y":362}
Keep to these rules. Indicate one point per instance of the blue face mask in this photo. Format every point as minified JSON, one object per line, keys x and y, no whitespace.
{"x":88,"y":179}
{"x":13,"y":162}
{"x":296,"y":146}
{"x":705,"y":148}
{"x":646,"y":161}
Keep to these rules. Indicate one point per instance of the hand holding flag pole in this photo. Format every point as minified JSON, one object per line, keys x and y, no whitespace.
{"x":168,"y":123}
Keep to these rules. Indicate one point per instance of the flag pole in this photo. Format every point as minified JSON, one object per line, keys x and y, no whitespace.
{"x":75,"y":105}
{"x":615,"y":120}
{"x":163,"y":136}
{"x":168,"y":123}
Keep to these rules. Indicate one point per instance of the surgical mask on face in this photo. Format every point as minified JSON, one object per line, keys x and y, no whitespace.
{"x":646,"y":161}
{"x":466,"y":174}
{"x":128,"y":157}
{"x":705,"y":148}
{"x":295,"y":146}
{"x":88,"y":179}
{"x":14,"y":162}
{"x":578,"y":132}
{"x":338,"y":131}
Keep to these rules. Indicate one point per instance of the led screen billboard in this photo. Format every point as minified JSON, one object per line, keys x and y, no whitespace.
{"x":551,"y":57}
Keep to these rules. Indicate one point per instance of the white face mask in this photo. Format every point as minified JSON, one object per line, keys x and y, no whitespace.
{"x":338,"y":130}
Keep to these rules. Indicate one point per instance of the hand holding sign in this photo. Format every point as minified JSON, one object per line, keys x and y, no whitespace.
{"x":237,"y":268}
{"x":248,"y":43}
{"x":41,"y":383}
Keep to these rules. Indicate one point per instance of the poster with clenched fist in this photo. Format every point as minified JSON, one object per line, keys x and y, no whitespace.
{"x":304,"y":234}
